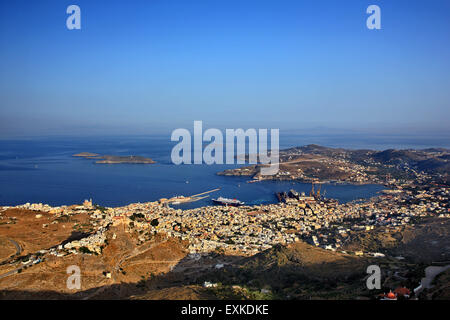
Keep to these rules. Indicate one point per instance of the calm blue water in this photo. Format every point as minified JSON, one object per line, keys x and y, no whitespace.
{"x":43,"y":170}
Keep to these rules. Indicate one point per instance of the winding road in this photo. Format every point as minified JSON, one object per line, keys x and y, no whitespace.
{"x":430,"y":273}
{"x":18,"y":248}
{"x":18,"y":251}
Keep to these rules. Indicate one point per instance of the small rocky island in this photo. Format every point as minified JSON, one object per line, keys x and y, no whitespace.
{"x":109,"y":159}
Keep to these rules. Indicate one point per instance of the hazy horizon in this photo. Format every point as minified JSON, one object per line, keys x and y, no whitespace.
{"x":151,"y":67}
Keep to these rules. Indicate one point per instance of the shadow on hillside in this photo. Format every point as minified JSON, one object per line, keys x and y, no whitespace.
{"x":276,"y":268}
{"x":75,"y":236}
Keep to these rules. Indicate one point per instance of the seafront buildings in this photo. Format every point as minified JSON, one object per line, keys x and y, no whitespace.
{"x":247,"y":230}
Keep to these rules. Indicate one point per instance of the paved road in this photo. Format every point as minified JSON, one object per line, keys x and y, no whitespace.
{"x":430,"y":273}
{"x":18,"y":248}
{"x":15,"y":270}
{"x":18,"y":251}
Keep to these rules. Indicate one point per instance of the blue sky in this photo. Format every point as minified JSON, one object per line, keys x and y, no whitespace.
{"x":153,"y":66}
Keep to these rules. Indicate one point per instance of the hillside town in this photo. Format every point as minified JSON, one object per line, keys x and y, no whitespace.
{"x":247,"y":230}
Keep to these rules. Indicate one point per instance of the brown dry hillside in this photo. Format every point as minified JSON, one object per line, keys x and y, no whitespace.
{"x":427,"y":241}
{"x":191,"y":292}
{"x":7,"y":248}
{"x":34,"y":230}
{"x":127,"y":262}
{"x":303,"y":259}
{"x":298,"y":271}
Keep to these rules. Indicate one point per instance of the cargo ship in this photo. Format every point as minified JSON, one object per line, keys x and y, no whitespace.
{"x":228,"y":202}
{"x":294,"y":194}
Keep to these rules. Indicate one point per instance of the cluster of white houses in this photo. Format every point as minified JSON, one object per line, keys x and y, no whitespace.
{"x":247,"y":230}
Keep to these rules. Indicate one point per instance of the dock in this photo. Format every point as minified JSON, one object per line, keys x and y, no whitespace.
{"x":192,"y":198}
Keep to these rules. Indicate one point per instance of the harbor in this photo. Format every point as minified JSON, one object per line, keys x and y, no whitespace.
{"x":186,"y":199}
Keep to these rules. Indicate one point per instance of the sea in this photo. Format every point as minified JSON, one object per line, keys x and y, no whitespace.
{"x":43,"y":170}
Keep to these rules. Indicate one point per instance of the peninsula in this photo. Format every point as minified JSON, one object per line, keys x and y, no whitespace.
{"x":314,"y":163}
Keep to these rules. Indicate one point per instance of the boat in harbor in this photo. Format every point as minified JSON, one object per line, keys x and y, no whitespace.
{"x":294,"y":194}
{"x":228,"y":202}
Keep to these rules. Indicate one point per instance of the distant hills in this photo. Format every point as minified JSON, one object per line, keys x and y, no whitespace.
{"x":431,"y":160}
{"x":323,"y":164}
